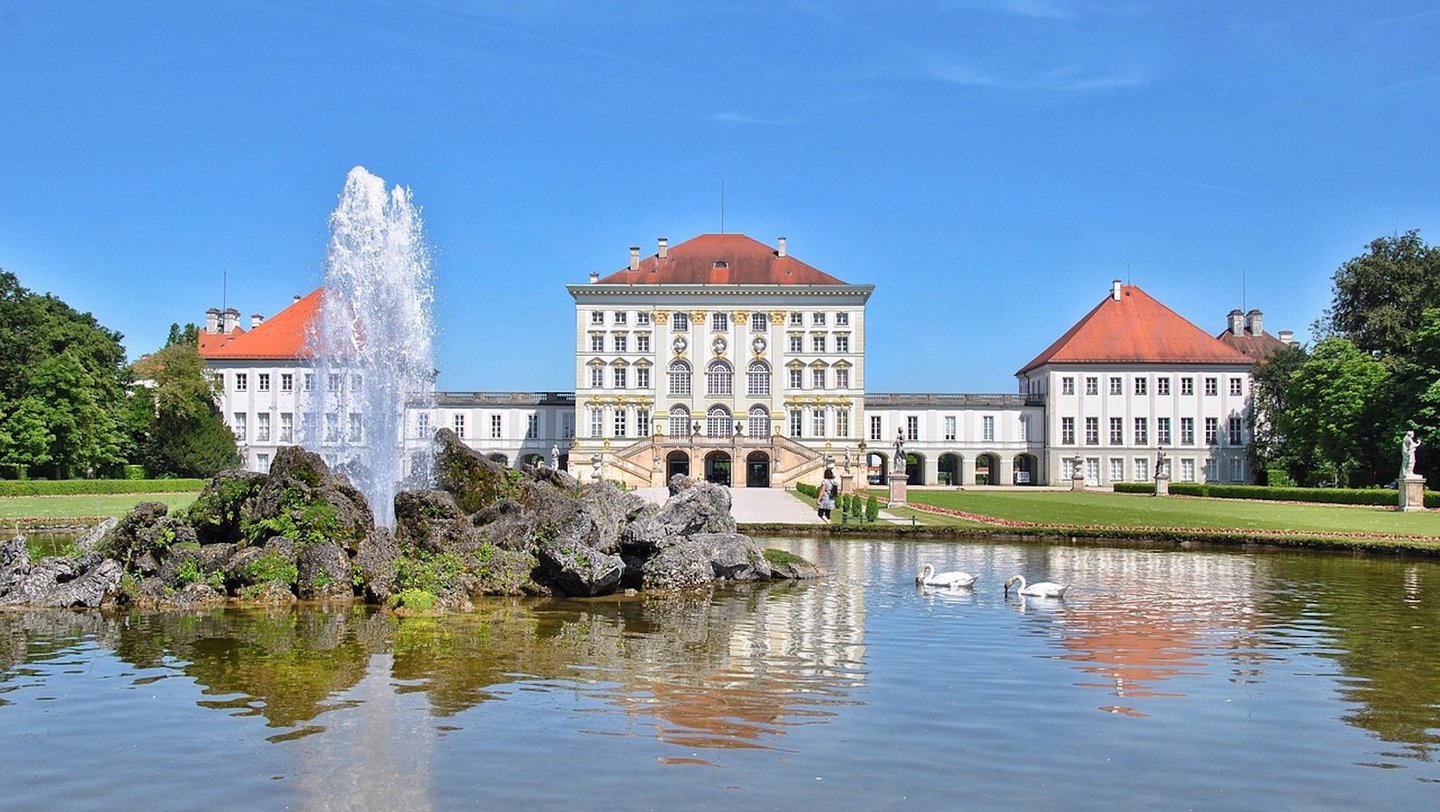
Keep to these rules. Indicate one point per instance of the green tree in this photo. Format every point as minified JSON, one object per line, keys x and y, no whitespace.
{"x":1271,"y":447}
{"x":1336,"y":403}
{"x":186,"y":435}
{"x":1418,"y":393}
{"x":84,"y":435}
{"x":1380,"y":295}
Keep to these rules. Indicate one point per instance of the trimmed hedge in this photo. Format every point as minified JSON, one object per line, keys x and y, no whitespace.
{"x":1380,"y":497}
{"x":86,"y":487}
{"x":812,"y":491}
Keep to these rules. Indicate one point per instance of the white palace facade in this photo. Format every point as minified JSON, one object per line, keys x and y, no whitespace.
{"x":727,"y":358}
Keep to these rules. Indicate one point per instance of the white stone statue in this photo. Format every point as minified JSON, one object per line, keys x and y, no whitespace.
{"x":898,"y":464}
{"x":847,"y":461}
{"x":1407,"y":455}
{"x":1162,"y":464}
{"x":555,"y":457}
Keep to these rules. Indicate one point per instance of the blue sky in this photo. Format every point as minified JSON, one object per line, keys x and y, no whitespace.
{"x":990,"y":165}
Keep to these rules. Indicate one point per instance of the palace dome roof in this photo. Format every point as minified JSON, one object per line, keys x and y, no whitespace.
{"x":721,"y":259}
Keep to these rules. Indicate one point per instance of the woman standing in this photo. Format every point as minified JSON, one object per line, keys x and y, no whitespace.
{"x":826,"y":497}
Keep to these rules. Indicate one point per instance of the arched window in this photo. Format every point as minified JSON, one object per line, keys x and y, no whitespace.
{"x":679,"y":421}
{"x":757,"y":379}
{"x":717,"y":422}
{"x":679,"y":378}
{"x":719,"y":379}
{"x":759,"y":422}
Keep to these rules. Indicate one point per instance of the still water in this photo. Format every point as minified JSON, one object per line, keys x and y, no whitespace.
{"x":1164,"y":679}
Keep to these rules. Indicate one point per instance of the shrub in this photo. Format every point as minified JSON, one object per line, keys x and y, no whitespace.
{"x":1136,"y":487}
{"x":872,"y":509}
{"x":1381,"y":497}
{"x":855,"y":507}
{"x":271,"y":567}
{"x":812,"y":491}
{"x":89,"y":487}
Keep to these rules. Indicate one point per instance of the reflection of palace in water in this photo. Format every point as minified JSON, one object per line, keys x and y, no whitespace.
{"x":1157,"y":616}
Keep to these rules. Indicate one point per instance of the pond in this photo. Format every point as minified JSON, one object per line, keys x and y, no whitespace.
{"x":1165,"y":678}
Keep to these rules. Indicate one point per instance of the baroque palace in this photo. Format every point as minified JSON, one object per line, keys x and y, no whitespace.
{"x":727,"y":358}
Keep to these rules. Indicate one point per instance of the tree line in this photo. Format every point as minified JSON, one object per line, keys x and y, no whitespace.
{"x":1335,"y":413}
{"x":70,"y":405}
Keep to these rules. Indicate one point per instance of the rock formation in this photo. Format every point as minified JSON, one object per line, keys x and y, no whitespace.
{"x":302,"y":532}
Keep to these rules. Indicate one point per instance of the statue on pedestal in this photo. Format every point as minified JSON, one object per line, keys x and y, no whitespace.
{"x":898,"y":464}
{"x":1407,"y":454}
{"x":555,"y":457}
{"x":847,"y":461}
{"x":1162,"y":465}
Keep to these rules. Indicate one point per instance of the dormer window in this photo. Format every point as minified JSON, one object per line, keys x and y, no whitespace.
{"x":721,"y":264}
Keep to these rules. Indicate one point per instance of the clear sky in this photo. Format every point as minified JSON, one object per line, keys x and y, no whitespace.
{"x":989,"y":165}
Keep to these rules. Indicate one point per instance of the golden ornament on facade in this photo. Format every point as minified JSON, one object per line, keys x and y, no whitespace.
{"x":777,"y":317}
{"x":661,"y":317}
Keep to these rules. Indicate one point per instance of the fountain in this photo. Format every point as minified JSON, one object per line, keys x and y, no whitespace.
{"x":372,"y":344}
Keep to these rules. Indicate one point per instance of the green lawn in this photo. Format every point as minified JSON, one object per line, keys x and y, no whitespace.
{"x":1108,"y":509}
{"x":74,"y":507}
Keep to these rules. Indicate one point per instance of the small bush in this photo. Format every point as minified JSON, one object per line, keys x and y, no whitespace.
{"x":872,"y":509}
{"x":417,"y":600}
{"x":1380,"y":497}
{"x":271,"y":567}
{"x":812,"y":491}
{"x":1136,"y":487}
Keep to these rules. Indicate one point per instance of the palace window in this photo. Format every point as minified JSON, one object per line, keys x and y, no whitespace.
{"x":307,"y":426}
{"x":1117,"y":431}
{"x":1162,"y":386}
{"x":679,"y":421}
{"x":622,"y":343}
{"x":287,"y":382}
{"x":332,"y":428}
{"x":717,"y":422}
{"x":817,"y":319}
{"x":796,"y":378}
{"x":357,"y":383}
{"x":642,"y":342}
{"x":1142,"y":469}
{"x":1212,"y":386}
{"x":620,"y":317}
{"x":842,"y":343}
{"x":242,"y":382}
{"x":1117,"y":386}
{"x":495,"y":426}
{"x":1092,"y":385}
{"x":876,"y":429}
{"x":950,"y":427}
{"x":642,"y":319}
{"x":817,"y":422}
{"x":1237,"y":428}
{"x":1142,"y":386}
{"x":797,"y":319}
{"x":842,"y":378}
{"x":620,"y":376}
{"x":842,"y":422}
{"x":817,"y":378}
{"x":622,"y":423}
{"x":597,"y":342}
{"x":817,"y":343}
{"x":1187,"y":386}
{"x":597,"y":377}
{"x":1236,"y":386}
{"x":679,"y":378}
{"x":1162,"y":430}
{"x":458,"y":424}
{"x":1067,"y":385}
{"x":332,"y":382}
{"x":1212,"y":431}
{"x":532,"y":426}
{"x":759,"y":322}
{"x":1092,"y":431}
{"x":679,"y":322}
{"x":720,"y":322}
{"x":1142,"y":431}
{"x":287,"y":427}
{"x":1067,"y":431}
{"x":642,"y":377}
{"x":309,"y":382}
{"x":987,"y":427}
{"x":719,"y":379}
{"x":759,"y":424}
{"x":262,"y":427}
{"x":352,"y":428}
{"x":262,"y":382}
{"x":597,"y":317}
{"x":757,"y":379}
{"x":796,"y":422}
{"x":912,"y":427}
{"x":642,"y":422}
{"x":1187,"y":470}
{"x":797,"y":342}
{"x":597,"y":423}
{"x":1187,"y":431}
{"x":842,"y":319}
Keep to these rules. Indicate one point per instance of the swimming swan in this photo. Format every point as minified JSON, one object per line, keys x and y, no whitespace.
{"x":928,"y":577}
{"x":1044,"y":589}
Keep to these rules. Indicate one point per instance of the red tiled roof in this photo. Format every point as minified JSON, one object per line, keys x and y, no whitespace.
{"x":1256,"y":348}
{"x":721,"y":259}
{"x":1137,"y":329}
{"x":284,"y":335}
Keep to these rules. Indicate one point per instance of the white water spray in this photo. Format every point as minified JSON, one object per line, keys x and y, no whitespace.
{"x":373,"y":342}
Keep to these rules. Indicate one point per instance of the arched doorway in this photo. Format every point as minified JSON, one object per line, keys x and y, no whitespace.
{"x":500,"y":458}
{"x":532,"y":459}
{"x":1025,"y":470}
{"x":757,"y":470}
{"x":717,"y":468}
{"x":987,"y":470}
{"x":951,"y":466}
{"x":877,"y":469}
{"x":676,"y":462}
{"x":915,"y":467}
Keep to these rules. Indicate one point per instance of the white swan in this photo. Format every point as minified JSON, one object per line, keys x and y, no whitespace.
{"x":1043,"y":589}
{"x":928,"y":577}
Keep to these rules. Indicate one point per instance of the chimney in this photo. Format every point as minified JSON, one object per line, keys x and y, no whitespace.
{"x":1287,"y":337}
{"x":781,"y":250}
{"x":296,"y":300}
{"x":1255,"y":323}
{"x":594,"y":278}
{"x":232,"y":320}
{"x":634,"y":257}
{"x":212,"y":320}
{"x":664,"y":248}
{"x":1115,"y":289}
{"x":1237,"y":322}
{"x":256,"y":320}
